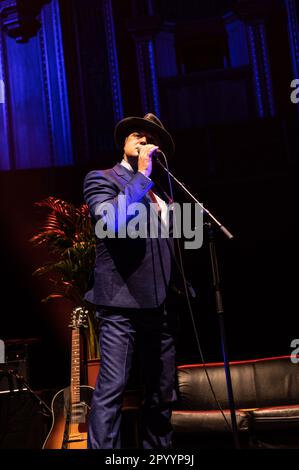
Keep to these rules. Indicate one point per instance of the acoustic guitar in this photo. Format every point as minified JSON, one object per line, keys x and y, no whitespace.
{"x":70,"y":406}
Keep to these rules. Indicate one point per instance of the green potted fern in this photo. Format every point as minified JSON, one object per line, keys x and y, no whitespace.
{"x":68,"y":235}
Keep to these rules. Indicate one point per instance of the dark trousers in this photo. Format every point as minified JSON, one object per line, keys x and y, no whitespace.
{"x":151,"y":331}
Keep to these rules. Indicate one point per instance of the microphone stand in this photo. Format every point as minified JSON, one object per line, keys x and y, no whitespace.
{"x":218,"y":298}
{"x":23,"y":382}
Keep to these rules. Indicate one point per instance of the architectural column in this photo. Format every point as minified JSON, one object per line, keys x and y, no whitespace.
{"x":112,"y":60}
{"x":143,"y":30}
{"x":2,"y":90}
{"x":252,"y":14}
{"x":237,"y":40}
{"x":258,"y":51}
{"x":6,"y":144}
{"x":155,"y":52}
{"x":165,"y":51}
{"x":34,"y":117}
{"x":293,"y":31}
{"x":20,"y":19}
{"x":55,"y":87}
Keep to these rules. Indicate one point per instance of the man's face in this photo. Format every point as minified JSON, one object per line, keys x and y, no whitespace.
{"x":134,"y":140}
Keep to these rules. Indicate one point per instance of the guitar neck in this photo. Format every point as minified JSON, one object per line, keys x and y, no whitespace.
{"x":75,"y":366}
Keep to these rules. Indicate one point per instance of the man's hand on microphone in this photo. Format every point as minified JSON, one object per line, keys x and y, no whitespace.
{"x":145,"y":154}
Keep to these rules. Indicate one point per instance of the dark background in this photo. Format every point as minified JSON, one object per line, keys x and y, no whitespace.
{"x":242,"y":166}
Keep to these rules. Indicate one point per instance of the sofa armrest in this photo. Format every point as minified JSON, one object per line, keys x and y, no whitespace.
{"x":275,"y":418}
{"x":208,"y":421}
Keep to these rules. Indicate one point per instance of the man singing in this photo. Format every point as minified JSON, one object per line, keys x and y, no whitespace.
{"x":130,"y":288}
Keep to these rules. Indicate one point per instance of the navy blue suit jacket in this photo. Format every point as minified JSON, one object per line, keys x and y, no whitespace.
{"x":128,"y":273}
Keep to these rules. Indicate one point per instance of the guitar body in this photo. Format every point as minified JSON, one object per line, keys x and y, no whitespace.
{"x":69,"y":421}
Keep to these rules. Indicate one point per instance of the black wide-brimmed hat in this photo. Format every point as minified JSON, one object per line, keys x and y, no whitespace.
{"x":149,"y":123}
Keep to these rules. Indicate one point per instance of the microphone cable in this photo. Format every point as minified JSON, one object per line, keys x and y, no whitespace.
{"x":182,"y":269}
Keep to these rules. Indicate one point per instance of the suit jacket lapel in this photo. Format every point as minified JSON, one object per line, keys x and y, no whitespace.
{"x":126,"y":175}
{"x":123,"y":172}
